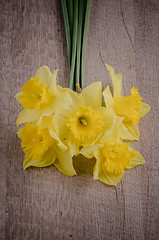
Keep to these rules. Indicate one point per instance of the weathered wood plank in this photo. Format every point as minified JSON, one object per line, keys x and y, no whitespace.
{"x":43,"y":203}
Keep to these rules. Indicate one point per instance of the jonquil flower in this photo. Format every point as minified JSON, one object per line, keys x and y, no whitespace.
{"x":114,"y":157}
{"x":40,"y":96}
{"x":86,"y":120}
{"x":43,"y":148}
{"x":129,"y":107}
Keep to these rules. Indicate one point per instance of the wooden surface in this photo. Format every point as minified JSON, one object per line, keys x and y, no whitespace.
{"x":43,"y":203}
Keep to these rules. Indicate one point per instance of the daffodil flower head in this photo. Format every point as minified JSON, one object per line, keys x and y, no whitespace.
{"x":131,"y":108}
{"x":35,"y":141}
{"x":113,"y":159}
{"x":43,"y":146}
{"x":85,"y":123}
{"x":86,"y":120}
{"x":41,"y":96}
{"x":116,"y":157}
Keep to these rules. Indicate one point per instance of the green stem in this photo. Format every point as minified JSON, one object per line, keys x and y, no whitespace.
{"x":67,"y":28}
{"x":70,"y":14}
{"x":87,"y":16}
{"x":79,"y":40}
{"x":74,"y":44}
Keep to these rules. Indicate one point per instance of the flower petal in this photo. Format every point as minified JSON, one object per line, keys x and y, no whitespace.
{"x":93,"y":95}
{"x":59,"y":122}
{"x":17,"y":96}
{"x":144,"y":110}
{"x":45,"y":75}
{"x":137,"y":160}
{"x":64,"y":163}
{"x":103,"y":176}
{"x":74,"y":145}
{"x":47,"y":159}
{"x":27,"y":115}
{"x":130,"y":132}
{"x":61,"y":103}
{"x":60,"y":145}
{"x":77,"y":99}
{"x":108,"y":99}
{"x":53,"y":86}
{"x":113,"y":134}
{"x":108,"y":117}
{"x":88,"y":151}
{"x":110,"y":179}
{"x":117,"y":81}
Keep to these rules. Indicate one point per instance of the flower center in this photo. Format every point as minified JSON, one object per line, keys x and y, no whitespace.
{"x":128,"y":106}
{"x":116,"y":157}
{"x":85,"y":124}
{"x":83,"y":121}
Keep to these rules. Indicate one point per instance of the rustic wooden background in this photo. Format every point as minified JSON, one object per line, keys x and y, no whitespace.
{"x":43,"y":203}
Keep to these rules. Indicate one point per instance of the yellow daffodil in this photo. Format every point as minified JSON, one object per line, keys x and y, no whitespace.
{"x":40,"y":96}
{"x":86,"y":120}
{"x":43,"y":147}
{"x":114,"y":157}
{"x":130,"y":107}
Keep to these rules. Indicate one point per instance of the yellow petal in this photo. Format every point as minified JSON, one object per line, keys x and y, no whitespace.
{"x":45,"y":75}
{"x":60,"y":145}
{"x":47,"y":122}
{"x":88,"y":150}
{"x":117,"y":81}
{"x":74,"y":145}
{"x":77,"y":100}
{"x":137,"y":160}
{"x":113,"y":134}
{"x":108,"y":99}
{"x":61,"y":103}
{"x":53,"y":86}
{"x":59,"y":122}
{"x":110,"y":179}
{"x":144,"y":110}
{"x":93,"y":95}
{"x":97,"y":167}
{"x":64,"y":163}
{"x":130,"y":132}
{"x":103,"y":176}
{"x":27,"y":115}
{"x":17,"y":96}
{"x":108,"y":117}
{"x":47,"y":159}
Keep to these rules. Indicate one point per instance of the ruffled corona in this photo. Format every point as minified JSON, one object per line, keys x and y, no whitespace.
{"x":116,"y":157}
{"x":128,"y":106}
{"x":34,"y":95}
{"x":35,"y":141}
{"x":85,"y":123}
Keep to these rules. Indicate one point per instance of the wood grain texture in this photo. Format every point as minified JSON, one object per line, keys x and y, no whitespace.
{"x":43,"y":203}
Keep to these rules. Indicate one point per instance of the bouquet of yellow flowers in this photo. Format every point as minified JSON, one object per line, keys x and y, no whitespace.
{"x":62,"y":123}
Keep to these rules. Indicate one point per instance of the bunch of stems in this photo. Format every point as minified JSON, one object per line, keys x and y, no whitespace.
{"x":76,"y":16}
